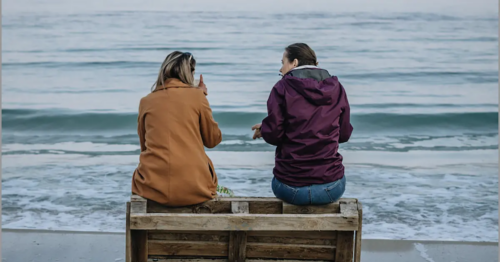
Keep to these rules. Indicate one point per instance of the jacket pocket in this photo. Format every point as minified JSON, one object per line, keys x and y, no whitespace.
{"x":212,"y":172}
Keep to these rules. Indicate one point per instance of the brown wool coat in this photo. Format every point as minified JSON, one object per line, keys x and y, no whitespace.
{"x":174,"y":124}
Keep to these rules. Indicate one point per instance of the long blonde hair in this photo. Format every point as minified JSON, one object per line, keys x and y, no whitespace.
{"x":176,"y":65}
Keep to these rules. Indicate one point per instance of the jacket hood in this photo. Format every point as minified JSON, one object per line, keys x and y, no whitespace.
{"x":313,"y":83}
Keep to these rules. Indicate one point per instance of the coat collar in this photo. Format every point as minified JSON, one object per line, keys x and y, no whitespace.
{"x":172,"y":83}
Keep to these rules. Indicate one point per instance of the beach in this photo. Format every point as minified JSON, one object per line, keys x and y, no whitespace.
{"x":40,"y":245}
{"x":422,"y":87}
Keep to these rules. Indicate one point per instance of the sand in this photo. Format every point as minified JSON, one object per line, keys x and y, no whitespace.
{"x":62,"y":246}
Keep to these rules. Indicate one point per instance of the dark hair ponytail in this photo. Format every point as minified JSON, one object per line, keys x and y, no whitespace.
{"x":302,"y":52}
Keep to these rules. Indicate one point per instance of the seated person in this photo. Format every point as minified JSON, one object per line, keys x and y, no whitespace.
{"x":175,"y":123}
{"x":308,"y":117}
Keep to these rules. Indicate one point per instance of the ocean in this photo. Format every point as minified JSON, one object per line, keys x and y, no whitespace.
{"x":423,"y":89}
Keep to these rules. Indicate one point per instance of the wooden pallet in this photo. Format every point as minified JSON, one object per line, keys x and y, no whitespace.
{"x":243,"y":229}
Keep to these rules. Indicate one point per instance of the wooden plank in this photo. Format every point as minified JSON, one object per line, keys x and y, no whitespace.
{"x":281,"y":251}
{"x":128,"y":245}
{"x":349,"y":209}
{"x":239,"y":208}
{"x":266,"y":207}
{"x":186,"y":260}
{"x":345,"y":245}
{"x":237,"y":246}
{"x":139,"y":244}
{"x":187,"y":248}
{"x":217,"y":236}
{"x":244,"y":199}
{"x":292,"y":240}
{"x":160,"y":259}
{"x":332,"y":235}
{"x":333,"y":208}
{"x":248,"y":199}
{"x":283,"y":260}
{"x":243,"y":222}
{"x":238,"y":239}
{"x":291,"y":237}
{"x":138,"y":207}
{"x":208,"y":207}
{"x":134,"y":198}
{"x":138,"y":204}
{"x":218,"y":207}
{"x":257,"y":205}
{"x":357,"y":247}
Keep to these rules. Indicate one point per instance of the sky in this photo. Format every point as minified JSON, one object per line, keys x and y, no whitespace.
{"x":472,"y":7}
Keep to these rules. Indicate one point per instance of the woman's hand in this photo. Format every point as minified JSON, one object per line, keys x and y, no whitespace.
{"x":202,"y":86}
{"x":257,"y":133}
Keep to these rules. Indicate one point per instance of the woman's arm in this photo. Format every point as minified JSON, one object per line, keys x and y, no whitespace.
{"x":272,"y":126}
{"x":210,"y":131}
{"x":141,"y":130}
{"x":345,"y":118}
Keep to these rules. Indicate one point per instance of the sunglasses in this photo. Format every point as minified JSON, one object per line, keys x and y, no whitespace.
{"x":190,"y":56}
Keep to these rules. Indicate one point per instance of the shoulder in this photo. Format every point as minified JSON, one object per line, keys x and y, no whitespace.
{"x":280,"y":86}
{"x":147,"y":99}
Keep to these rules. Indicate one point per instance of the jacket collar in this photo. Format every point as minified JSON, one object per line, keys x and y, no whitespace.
{"x":305,"y":66}
{"x":172,"y":83}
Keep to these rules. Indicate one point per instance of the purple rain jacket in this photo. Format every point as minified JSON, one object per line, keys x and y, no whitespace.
{"x":308,"y":117}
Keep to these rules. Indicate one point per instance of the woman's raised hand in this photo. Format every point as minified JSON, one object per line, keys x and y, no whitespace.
{"x":202,"y":86}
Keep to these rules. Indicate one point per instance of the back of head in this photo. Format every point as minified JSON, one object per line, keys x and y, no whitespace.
{"x":303,"y":53}
{"x":314,"y":84}
{"x":177,"y":65}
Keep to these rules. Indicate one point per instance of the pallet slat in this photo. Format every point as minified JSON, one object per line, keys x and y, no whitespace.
{"x":333,"y":208}
{"x":238,"y":239}
{"x":291,"y":240}
{"x":296,"y":234}
{"x":291,"y":237}
{"x":345,"y":245}
{"x":217,"y":207}
{"x":216,"y":236}
{"x":256,"y":206}
{"x":253,"y":250}
{"x":139,"y":245}
{"x":160,"y":259}
{"x":138,"y":204}
{"x":243,"y":222}
{"x":187,"y":248}
{"x":357,"y":247}
{"x":288,"y":251}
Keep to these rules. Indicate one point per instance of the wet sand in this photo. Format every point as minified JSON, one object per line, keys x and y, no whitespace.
{"x":62,"y":246}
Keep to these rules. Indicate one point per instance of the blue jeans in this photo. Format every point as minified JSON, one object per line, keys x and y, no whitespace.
{"x":321,"y":194}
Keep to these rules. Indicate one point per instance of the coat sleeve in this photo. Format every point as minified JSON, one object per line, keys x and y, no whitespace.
{"x":345,"y":118}
{"x":272,"y":129}
{"x":141,"y":129}
{"x":210,"y":131}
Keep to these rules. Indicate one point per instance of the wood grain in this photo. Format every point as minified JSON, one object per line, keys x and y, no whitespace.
{"x":281,"y":251}
{"x":139,"y":245}
{"x":257,"y":205}
{"x":128,"y":245}
{"x":243,"y":222}
{"x":333,"y":208}
{"x":216,"y":236}
{"x":357,"y":247}
{"x":187,"y":248}
{"x":345,"y":245}
{"x":238,"y":239}
{"x":237,"y":246}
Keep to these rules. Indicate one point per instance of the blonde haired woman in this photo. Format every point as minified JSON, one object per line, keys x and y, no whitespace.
{"x":175,"y":123}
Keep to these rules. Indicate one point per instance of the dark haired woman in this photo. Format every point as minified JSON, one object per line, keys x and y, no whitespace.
{"x":308,"y":116}
{"x":175,"y":122}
